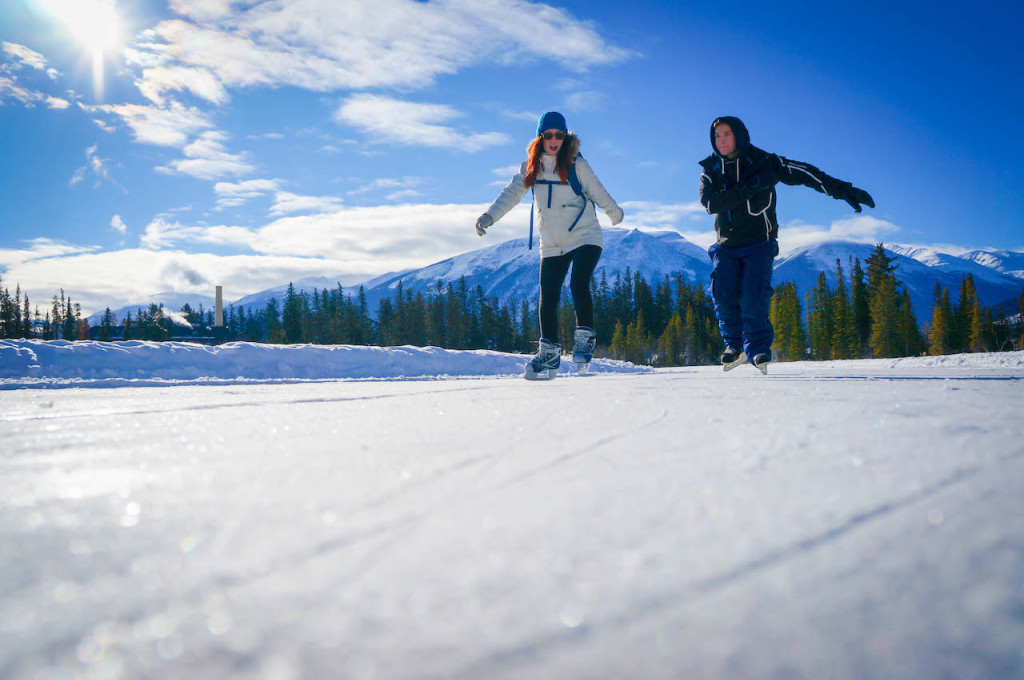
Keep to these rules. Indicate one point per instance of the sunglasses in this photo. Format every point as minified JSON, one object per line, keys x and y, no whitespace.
{"x":555,"y":135}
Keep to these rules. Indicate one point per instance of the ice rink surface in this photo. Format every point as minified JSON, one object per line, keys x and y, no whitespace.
{"x":840,"y":520}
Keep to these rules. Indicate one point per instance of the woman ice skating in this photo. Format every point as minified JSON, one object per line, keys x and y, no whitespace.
{"x":737,"y":186}
{"x":565,"y":192}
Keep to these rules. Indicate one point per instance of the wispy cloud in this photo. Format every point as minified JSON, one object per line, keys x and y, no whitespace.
{"x":287,"y":203}
{"x":10,"y":89}
{"x":19,"y":55}
{"x":95,"y":167}
{"x":118,"y":225}
{"x":860,"y":229}
{"x":171,"y":125}
{"x":390,"y":120}
{"x":208,"y":158}
{"x":378,"y":239}
{"x":323,"y":45}
{"x":201,"y":82}
{"x":234,"y":194}
{"x":395,"y":189}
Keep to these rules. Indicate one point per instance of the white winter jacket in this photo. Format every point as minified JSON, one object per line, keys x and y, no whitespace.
{"x":557,"y":205}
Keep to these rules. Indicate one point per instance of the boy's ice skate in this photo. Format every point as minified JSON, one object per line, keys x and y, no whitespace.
{"x":761,"y":362}
{"x":731,"y":358}
{"x":584,"y":341}
{"x":544,"y":365}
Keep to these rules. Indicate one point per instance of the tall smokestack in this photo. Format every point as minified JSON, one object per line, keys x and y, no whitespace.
{"x":218,"y":315}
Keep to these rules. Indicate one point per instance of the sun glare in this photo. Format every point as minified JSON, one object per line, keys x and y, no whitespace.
{"x":94,"y":25}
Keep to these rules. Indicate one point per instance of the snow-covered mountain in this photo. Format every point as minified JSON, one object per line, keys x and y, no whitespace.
{"x":308,"y":285}
{"x":511,"y":270}
{"x":1005,"y":261}
{"x":918,"y":269}
{"x":172,"y":302}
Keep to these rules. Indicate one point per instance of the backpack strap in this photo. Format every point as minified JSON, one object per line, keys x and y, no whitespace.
{"x":577,"y":187}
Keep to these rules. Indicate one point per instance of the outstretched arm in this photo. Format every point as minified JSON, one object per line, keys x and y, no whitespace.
{"x":596,"y":192}
{"x":796,"y":173}
{"x":506,"y":200}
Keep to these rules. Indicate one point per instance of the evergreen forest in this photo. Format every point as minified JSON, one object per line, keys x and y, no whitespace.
{"x":865,"y":313}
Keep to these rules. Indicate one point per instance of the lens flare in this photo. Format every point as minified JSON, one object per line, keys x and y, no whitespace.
{"x":94,"y":24}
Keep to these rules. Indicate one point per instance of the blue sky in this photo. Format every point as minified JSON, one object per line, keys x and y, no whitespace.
{"x":174,"y":145}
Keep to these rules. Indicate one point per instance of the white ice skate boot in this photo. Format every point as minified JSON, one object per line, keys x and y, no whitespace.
{"x":544,"y":365}
{"x":584,"y":341}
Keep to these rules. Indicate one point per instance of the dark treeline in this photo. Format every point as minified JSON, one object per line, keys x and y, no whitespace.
{"x":865,"y":313}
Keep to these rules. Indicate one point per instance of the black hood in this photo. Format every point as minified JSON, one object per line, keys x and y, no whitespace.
{"x":739,"y":130}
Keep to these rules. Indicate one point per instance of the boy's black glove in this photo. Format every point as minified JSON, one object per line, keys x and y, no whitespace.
{"x":856,"y":197}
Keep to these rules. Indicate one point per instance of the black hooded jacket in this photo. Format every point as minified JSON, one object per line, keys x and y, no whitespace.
{"x":740,"y":192}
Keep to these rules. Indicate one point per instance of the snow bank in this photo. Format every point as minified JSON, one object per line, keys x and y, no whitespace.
{"x":49,"y":363}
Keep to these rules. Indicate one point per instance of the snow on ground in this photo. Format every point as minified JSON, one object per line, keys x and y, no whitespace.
{"x":845,"y":520}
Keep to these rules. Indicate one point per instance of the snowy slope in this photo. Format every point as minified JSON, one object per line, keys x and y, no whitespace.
{"x":1006,"y":261}
{"x":858,"y":520}
{"x":61,"y":363}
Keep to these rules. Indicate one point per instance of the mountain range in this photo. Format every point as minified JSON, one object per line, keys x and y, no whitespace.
{"x":509,"y":270}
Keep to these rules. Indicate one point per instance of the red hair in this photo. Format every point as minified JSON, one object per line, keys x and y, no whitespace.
{"x":535,"y":151}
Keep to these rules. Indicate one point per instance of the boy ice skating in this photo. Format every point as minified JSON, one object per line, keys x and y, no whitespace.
{"x":737,"y":186}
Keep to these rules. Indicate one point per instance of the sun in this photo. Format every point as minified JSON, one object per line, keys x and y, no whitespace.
{"x":94,"y":25}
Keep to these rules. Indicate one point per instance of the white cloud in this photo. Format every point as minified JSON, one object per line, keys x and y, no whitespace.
{"x":38,"y":249}
{"x":114,"y":279}
{"x":378,"y":239}
{"x":95,"y":167}
{"x":199,"y":81}
{"x":171,"y":125}
{"x":24,"y":56}
{"x":323,"y":45}
{"x":10,"y":89}
{"x":397,"y":188}
{"x":207,"y":158}
{"x":860,"y":229}
{"x":118,"y":225}
{"x":233,"y":194}
{"x":389,"y":120}
{"x":287,"y":203}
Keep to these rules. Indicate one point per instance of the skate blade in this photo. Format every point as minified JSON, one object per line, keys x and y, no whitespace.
{"x":739,"y":360}
{"x":762,"y":367}
{"x":582,"y":366}
{"x":543,"y":375}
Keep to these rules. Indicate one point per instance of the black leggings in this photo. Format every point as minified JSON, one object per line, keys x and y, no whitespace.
{"x":552,"y":276}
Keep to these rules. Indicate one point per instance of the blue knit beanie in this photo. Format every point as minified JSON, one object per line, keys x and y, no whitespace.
{"x":552,"y":120}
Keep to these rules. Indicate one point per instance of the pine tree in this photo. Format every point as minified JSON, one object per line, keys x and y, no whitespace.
{"x":966,"y":324}
{"x":909,"y":333}
{"x":107,"y":323}
{"x":618,"y":347}
{"x":787,"y":318}
{"x":844,"y":333}
{"x":819,"y":319}
{"x":938,"y":332}
{"x":275,"y":334}
{"x":292,"y":316}
{"x":885,"y":328}
{"x":670,"y":343}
